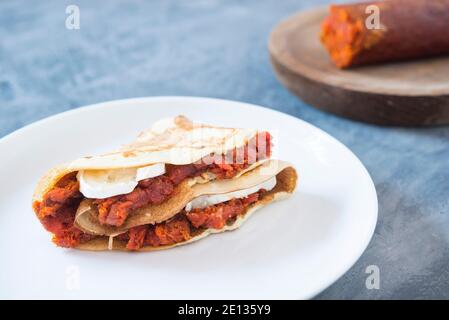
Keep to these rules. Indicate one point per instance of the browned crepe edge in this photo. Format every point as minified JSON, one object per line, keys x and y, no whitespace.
{"x":285,"y":185}
{"x":135,"y":150}
{"x":87,"y":215}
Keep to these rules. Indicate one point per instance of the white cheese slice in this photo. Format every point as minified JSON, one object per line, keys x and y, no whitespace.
{"x":100,"y":184}
{"x":205,"y":201}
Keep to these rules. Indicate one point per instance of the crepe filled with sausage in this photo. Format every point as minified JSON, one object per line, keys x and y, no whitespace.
{"x":176,"y":183}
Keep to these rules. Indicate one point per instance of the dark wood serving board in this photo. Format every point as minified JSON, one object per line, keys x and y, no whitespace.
{"x":411,"y":93}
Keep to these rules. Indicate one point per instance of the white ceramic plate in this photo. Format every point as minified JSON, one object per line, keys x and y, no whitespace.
{"x":290,"y":249}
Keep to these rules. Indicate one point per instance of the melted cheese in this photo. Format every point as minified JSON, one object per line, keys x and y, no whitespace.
{"x":100,"y":184}
{"x":205,"y":201}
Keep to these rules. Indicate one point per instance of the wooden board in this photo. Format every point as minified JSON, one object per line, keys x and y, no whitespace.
{"x":411,"y":93}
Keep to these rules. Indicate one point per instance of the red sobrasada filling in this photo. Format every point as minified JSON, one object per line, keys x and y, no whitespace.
{"x":342,"y":36}
{"x":58,"y":207}
{"x":186,"y":225}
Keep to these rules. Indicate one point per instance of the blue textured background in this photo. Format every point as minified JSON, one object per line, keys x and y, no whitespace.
{"x":218,"y":48}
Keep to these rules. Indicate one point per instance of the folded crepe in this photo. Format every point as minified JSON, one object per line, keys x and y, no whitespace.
{"x":176,"y":183}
